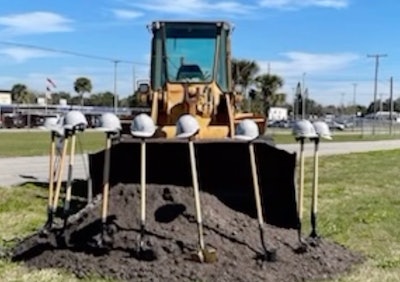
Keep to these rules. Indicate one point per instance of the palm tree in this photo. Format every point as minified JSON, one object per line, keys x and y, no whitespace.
{"x":269,"y":84}
{"x":243,"y":72}
{"x":82,"y":85}
{"x":19,"y":93}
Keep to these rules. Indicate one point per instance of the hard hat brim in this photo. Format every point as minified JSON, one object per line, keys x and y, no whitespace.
{"x":244,"y":137}
{"x":70,"y":126}
{"x":56,"y":129}
{"x":327,"y":137}
{"x":142,"y":134}
{"x":107,"y":129}
{"x":186,"y":134}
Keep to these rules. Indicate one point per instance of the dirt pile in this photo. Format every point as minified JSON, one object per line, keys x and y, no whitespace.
{"x":172,"y":234}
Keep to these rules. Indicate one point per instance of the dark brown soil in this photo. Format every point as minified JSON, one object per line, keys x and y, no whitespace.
{"x":172,"y":235}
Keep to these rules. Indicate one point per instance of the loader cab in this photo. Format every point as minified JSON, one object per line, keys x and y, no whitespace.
{"x":196,"y":52}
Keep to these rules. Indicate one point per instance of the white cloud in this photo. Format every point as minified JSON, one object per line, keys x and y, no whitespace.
{"x":299,"y":62}
{"x":34,"y":23}
{"x":293,"y":4}
{"x":326,"y":75}
{"x":126,"y":14}
{"x":198,"y":8}
{"x":20,"y":54}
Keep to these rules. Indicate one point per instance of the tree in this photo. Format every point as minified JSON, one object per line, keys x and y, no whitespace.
{"x":82,"y":85}
{"x":243,"y":72}
{"x":19,"y":93}
{"x":269,"y":84}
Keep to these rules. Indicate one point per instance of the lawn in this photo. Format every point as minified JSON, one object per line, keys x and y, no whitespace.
{"x":358,"y":207}
{"x":34,"y":143}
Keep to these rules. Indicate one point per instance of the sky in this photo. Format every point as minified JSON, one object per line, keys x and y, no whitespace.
{"x":324,"y":43}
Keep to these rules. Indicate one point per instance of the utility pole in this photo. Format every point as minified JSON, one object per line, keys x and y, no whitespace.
{"x":377,"y":57}
{"x":303,"y":98}
{"x":391,"y":106}
{"x":115,"y":87}
{"x":355,"y":98}
{"x":354,"y":104}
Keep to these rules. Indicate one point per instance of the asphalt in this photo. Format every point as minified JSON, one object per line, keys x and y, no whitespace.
{"x":19,"y":170}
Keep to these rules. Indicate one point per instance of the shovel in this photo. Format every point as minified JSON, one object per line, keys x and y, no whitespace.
{"x":314,"y":198}
{"x":268,"y":255}
{"x":106,"y":190}
{"x":143,"y":252}
{"x":59,"y":182}
{"x":203,"y":254}
{"x":302,"y":247}
{"x":68,"y":191}
{"x":51,"y":175}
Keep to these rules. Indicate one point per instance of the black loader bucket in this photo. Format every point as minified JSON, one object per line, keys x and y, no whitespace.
{"x":223,"y":168}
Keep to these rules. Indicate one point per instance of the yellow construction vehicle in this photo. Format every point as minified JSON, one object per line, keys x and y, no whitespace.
{"x":191,"y":73}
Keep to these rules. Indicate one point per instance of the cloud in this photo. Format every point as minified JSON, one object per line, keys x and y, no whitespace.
{"x":294,"y":4}
{"x":124,"y":14}
{"x":326,"y":75}
{"x":21,"y":55}
{"x":198,"y":8}
{"x":34,"y":23}
{"x":298,"y":62}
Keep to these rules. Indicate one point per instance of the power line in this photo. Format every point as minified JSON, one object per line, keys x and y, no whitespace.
{"x":73,"y":53}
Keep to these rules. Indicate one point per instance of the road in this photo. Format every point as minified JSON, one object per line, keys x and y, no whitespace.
{"x":15,"y":171}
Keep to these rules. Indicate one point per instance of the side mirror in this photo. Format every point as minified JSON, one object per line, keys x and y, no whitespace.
{"x":144,"y":88}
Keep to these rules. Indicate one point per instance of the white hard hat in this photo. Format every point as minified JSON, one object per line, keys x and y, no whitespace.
{"x":247,"y":129}
{"x":50,"y":121}
{"x":109,"y":122}
{"x":75,"y":120}
{"x":304,"y":129}
{"x":322,"y":129}
{"x":53,"y":124}
{"x":187,"y":126}
{"x":142,"y":126}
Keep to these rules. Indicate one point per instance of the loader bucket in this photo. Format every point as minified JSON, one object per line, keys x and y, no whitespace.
{"x":223,"y":168}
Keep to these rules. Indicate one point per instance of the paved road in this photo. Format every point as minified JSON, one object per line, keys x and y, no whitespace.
{"x":14,"y":171}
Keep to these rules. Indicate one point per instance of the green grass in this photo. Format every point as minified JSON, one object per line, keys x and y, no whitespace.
{"x":284,"y":138}
{"x":35,"y":143}
{"x":359,"y":207}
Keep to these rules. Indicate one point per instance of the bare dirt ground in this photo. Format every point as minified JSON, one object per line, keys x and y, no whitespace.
{"x":172,"y":235}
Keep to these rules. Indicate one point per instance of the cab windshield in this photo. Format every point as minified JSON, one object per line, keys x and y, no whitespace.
{"x":190,"y":52}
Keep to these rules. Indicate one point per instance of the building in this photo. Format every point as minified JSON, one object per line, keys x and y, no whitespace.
{"x":277,"y":113}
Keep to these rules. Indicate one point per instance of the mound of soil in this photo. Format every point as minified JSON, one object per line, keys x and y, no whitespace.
{"x":172,"y":235}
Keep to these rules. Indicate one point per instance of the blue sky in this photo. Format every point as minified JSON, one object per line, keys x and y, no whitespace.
{"x":326,"y":42}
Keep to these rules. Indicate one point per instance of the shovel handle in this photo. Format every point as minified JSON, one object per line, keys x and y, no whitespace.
{"x":196,"y":193}
{"x":106,"y":177}
{"x":143,"y":181}
{"x":60,"y":175}
{"x":256,"y":184}
{"x":315,"y":180}
{"x":70,"y":171}
{"x":51,"y":169}
{"x":301,"y":184}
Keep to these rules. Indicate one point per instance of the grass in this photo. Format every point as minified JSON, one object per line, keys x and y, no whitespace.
{"x":358,"y":207}
{"x":281,"y":138}
{"x":35,"y":143}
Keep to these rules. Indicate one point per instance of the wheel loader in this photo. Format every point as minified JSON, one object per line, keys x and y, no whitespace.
{"x":190,"y":73}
